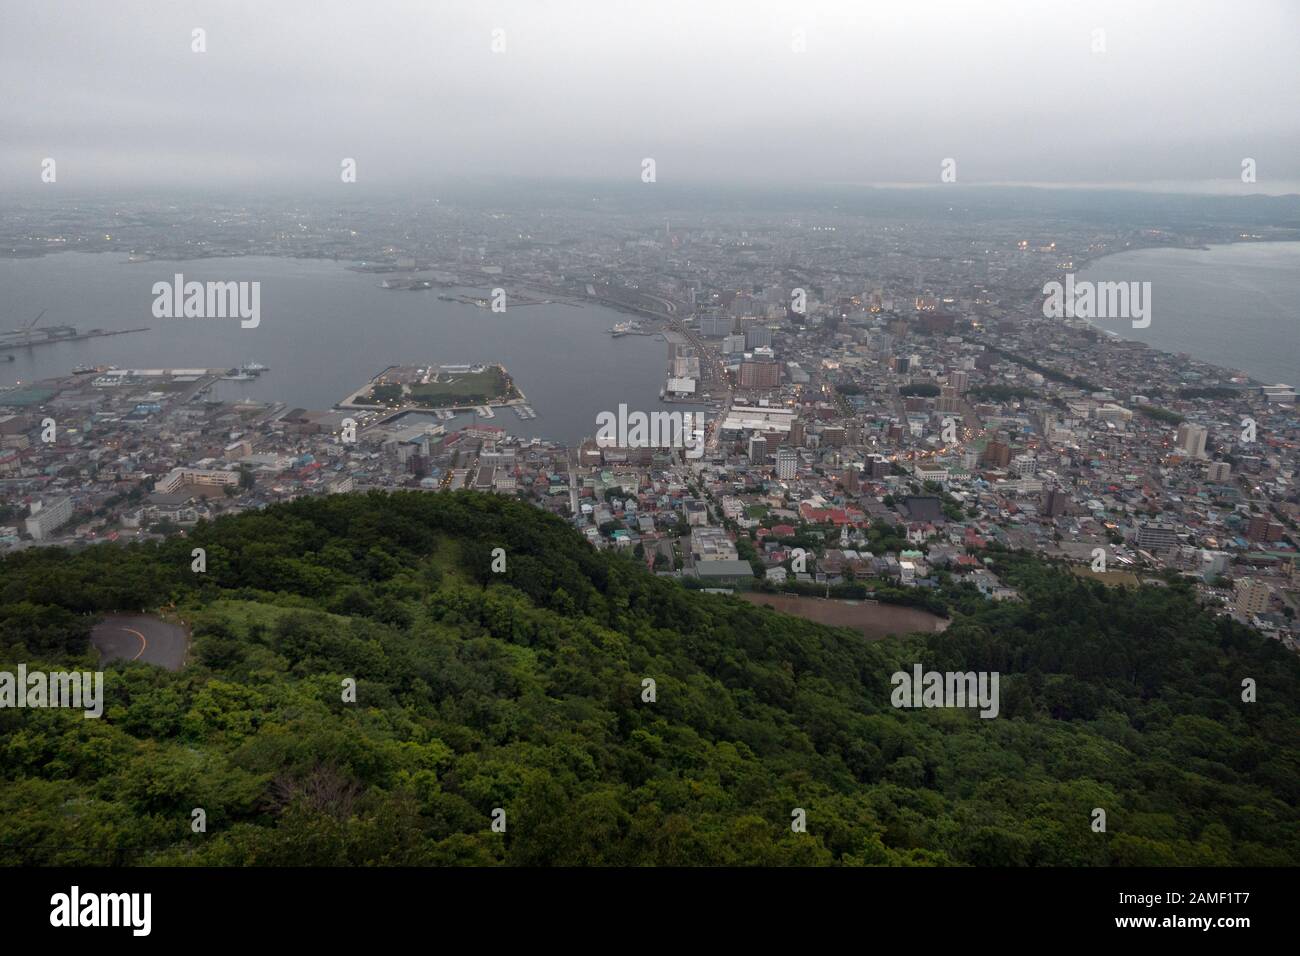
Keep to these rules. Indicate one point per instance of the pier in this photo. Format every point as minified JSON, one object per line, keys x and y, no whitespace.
{"x":19,"y":340}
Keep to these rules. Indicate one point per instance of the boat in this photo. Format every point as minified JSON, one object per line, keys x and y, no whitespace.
{"x":81,"y":369}
{"x":238,"y":376}
{"x":254,"y":368}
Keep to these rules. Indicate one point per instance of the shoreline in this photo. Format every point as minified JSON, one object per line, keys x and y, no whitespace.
{"x":1091,"y":260}
{"x":1253,"y":380}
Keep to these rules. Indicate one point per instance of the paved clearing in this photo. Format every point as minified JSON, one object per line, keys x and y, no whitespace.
{"x":141,"y":637}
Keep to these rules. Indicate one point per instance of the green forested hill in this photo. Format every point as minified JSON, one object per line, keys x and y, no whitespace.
{"x":523,"y":691}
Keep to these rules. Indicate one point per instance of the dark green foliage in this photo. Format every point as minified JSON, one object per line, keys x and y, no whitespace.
{"x":522,"y":690}
{"x":920,"y":389}
{"x":1160,"y":414}
{"x":1054,"y":375}
{"x":1215,"y":392}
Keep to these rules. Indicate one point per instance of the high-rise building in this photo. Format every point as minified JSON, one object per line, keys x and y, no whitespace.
{"x":787,"y":463}
{"x":1191,"y":440}
{"x":997,"y":454}
{"x":1218,"y":472}
{"x":1156,"y":537}
{"x":1055,"y":503}
{"x":1252,"y":596}
{"x":758,"y":336}
{"x":760,"y":375}
{"x":716,"y":324}
{"x":757,"y":449}
{"x":851,"y":479}
{"x":1257,"y":528}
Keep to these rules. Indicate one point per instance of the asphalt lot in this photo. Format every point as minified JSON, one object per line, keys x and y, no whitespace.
{"x":140,"y":637}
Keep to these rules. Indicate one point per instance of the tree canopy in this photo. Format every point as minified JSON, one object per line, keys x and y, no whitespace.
{"x":524,"y":691}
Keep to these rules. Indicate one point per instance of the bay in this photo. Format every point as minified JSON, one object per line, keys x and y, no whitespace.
{"x":1235,"y":306}
{"x":326,"y":330}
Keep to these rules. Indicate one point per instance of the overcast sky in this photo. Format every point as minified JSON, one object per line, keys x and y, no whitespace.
{"x":711,"y":89}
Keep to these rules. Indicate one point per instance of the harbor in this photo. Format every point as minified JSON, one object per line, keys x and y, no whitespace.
{"x":561,"y":354}
{"x":245,"y":373}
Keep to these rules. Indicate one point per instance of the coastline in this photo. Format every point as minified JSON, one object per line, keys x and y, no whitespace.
{"x":1253,"y":380}
{"x":1086,"y":261}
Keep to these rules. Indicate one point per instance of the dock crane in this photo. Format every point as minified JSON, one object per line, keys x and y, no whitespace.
{"x":26,"y":330}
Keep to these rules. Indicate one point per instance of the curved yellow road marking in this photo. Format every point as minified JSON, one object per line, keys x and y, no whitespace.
{"x":143,"y":642}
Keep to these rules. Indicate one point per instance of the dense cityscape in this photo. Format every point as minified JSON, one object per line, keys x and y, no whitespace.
{"x":885,"y":400}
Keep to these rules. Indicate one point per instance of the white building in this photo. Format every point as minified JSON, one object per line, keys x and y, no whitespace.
{"x":787,"y":464}
{"x":1024,"y":466}
{"x":46,"y":518}
{"x":1284,"y":394}
{"x":178,"y":477}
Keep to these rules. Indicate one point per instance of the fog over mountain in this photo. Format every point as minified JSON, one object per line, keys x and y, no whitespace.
{"x":1152,"y":94}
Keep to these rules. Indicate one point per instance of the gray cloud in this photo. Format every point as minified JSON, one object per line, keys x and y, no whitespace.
{"x":711,"y":90}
